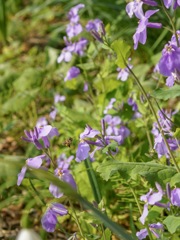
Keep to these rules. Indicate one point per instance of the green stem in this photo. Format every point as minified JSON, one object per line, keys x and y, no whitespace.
{"x":154,"y":113}
{"x":136,"y":199}
{"x":140,"y":210}
{"x":172,"y":24}
{"x":93,"y":180}
{"x":36,"y":192}
{"x":77,"y":221}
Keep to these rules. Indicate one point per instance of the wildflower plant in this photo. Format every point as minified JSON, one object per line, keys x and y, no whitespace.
{"x":109,"y":148}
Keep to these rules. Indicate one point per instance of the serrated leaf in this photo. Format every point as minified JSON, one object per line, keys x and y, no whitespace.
{"x":153,"y":172}
{"x":167,"y":93}
{"x":122,"y":49}
{"x":172,"y":223}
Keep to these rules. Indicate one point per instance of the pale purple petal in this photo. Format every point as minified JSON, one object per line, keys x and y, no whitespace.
{"x":142,"y":234}
{"x":82,"y":152}
{"x":144,"y":214}
{"x":21,"y":175}
{"x":49,"y":221}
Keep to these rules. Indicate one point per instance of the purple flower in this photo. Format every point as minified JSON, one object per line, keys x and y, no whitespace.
{"x":141,"y":31}
{"x":167,"y":3}
{"x":41,"y":122}
{"x":93,"y":25}
{"x":173,"y":39}
{"x":47,"y":132}
{"x":35,"y":162}
{"x":49,"y":219}
{"x":44,"y":133}
{"x":89,"y":133}
{"x":79,"y":46}
{"x":112,"y":123}
{"x":154,"y":228}
{"x":150,"y":199}
{"x":136,"y":5}
{"x":73,"y":29}
{"x":82,"y":152}
{"x":59,"y":98}
{"x":176,"y":4}
{"x":170,"y":60}
{"x":63,"y":174}
{"x":53,"y":114}
{"x":133,"y":6}
{"x":96,"y":27}
{"x":66,"y":53}
{"x":86,"y":86}
{"x":72,"y":73}
{"x":175,"y":197}
{"x":110,"y":105}
{"x":73,"y":13}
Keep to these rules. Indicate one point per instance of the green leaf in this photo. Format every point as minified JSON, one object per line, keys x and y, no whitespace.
{"x":172,"y":223}
{"x":107,"y":234}
{"x":19,"y":101}
{"x":177,"y":133}
{"x":175,"y":179}
{"x":30,"y":78}
{"x":167,"y":93}
{"x":122,"y":49}
{"x":153,"y":172}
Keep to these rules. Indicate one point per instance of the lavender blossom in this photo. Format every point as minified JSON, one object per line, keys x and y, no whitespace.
{"x":141,"y":31}
{"x":151,"y":198}
{"x":170,"y":60}
{"x":62,"y":172}
{"x":41,"y":122}
{"x":53,"y":114}
{"x":110,"y":105}
{"x":102,"y":141}
{"x":73,"y":13}
{"x":136,"y":5}
{"x":168,"y":3}
{"x":72,"y":73}
{"x":73,"y":29}
{"x":154,"y":228}
{"x":175,"y":197}
{"x":93,"y":25}
{"x":49,"y":219}
{"x":35,"y":162}
{"x":59,"y":98}
{"x":44,"y":133}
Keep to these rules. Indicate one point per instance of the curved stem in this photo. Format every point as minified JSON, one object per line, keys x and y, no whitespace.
{"x":77,"y":220}
{"x":172,"y":24}
{"x":154,"y":113}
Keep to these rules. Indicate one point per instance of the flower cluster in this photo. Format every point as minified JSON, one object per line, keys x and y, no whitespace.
{"x":171,"y":198}
{"x":73,"y":29}
{"x":114,"y":132}
{"x":169,"y":64}
{"x":62,"y":172}
{"x":166,"y":125}
{"x":135,"y":8}
{"x":57,"y":98}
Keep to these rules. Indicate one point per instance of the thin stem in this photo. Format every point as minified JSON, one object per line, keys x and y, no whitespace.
{"x":154,"y":113}
{"x":77,"y":221}
{"x":172,"y":24}
{"x":136,"y":199}
{"x":140,"y":210}
{"x":36,"y":192}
